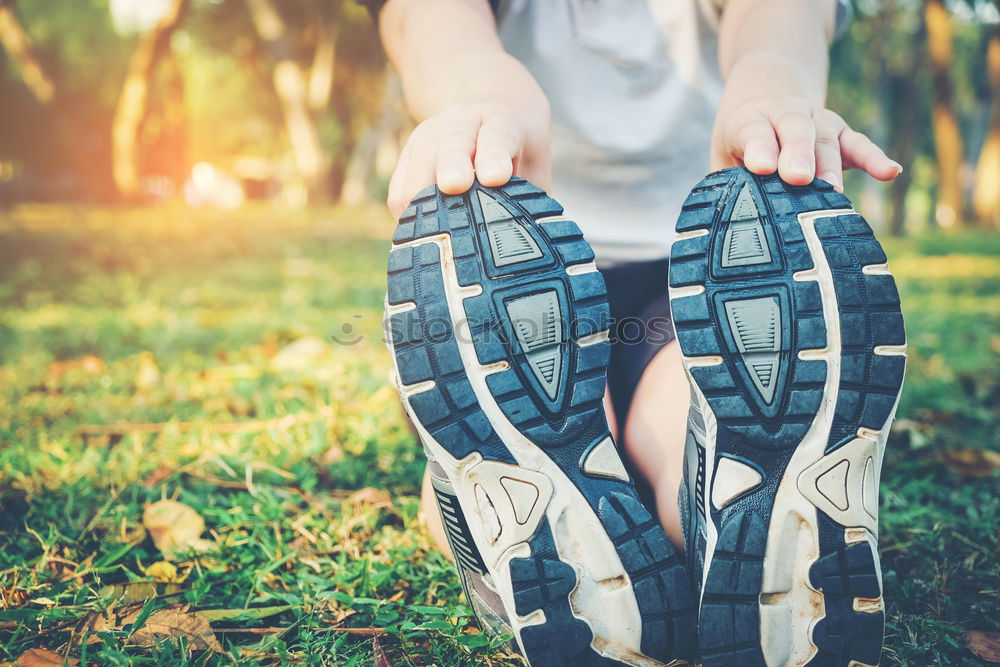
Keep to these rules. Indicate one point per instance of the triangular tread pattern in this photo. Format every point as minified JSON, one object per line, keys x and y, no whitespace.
{"x":732,"y":216}
{"x":537,"y":321}
{"x":756,"y":327}
{"x":510,"y":241}
{"x":435,"y":372}
{"x":745,"y":243}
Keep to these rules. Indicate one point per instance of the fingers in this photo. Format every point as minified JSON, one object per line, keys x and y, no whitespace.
{"x":497,"y":147}
{"x":799,"y":143}
{"x":829,"y":127}
{"x":457,"y":145}
{"x":797,"y":136}
{"x":413,"y":172}
{"x":758,"y":145}
{"x":452,"y":149}
{"x":433,"y":155}
{"x":860,"y":152}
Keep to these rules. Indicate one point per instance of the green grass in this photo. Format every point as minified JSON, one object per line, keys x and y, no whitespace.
{"x":170,"y":330}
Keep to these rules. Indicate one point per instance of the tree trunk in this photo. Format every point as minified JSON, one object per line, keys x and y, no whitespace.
{"x":175,"y":123}
{"x":986,"y":195}
{"x":904,"y":105}
{"x":17,"y":43}
{"x":131,"y":109}
{"x":947,"y":137}
{"x":364,"y":159}
{"x":905,"y":91}
{"x":324,"y":56}
{"x":290,"y":85}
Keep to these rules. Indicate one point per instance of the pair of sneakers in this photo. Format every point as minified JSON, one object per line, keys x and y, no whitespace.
{"x":792,"y":339}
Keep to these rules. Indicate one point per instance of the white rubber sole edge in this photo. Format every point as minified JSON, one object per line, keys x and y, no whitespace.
{"x":603,"y":597}
{"x":789,"y":605}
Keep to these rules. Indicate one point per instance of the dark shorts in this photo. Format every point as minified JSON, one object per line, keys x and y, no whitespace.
{"x":640,"y":312}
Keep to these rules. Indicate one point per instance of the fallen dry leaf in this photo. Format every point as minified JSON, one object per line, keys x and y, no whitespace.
{"x":43,"y":657}
{"x":89,"y":364}
{"x":148,"y":375}
{"x":251,"y":612}
{"x":137,"y":591}
{"x":301,"y":355}
{"x":269,"y":346}
{"x":92,"y":623}
{"x":381,"y":659}
{"x":175,"y":528}
{"x":12,"y":597}
{"x":363,"y":632}
{"x":985,"y":645}
{"x":43,"y":601}
{"x":104,"y":621}
{"x":377,"y":498}
{"x":164,"y":572}
{"x":332,"y":455}
{"x":972,"y":462}
{"x":160,"y":473}
{"x":174,"y":624}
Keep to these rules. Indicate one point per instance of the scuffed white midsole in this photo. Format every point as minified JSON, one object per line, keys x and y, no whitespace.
{"x":790,"y":606}
{"x":603,"y":597}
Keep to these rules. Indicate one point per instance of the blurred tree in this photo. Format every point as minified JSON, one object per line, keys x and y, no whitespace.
{"x":293,"y":93}
{"x":132,"y":103}
{"x":324,"y":55}
{"x":362,"y":168}
{"x":61,"y":149}
{"x":360,"y":100}
{"x":918,"y":86}
{"x":902,"y":105}
{"x":17,"y":43}
{"x":228,"y":78}
{"x":986,"y":194}
{"x":165,"y":136}
{"x":947,"y":136}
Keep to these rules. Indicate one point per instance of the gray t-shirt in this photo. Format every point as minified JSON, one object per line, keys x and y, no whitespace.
{"x":633,"y":87}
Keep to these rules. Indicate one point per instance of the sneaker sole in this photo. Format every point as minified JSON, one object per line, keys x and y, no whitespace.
{"x":497,"y":319}
{"x":791,"y":331}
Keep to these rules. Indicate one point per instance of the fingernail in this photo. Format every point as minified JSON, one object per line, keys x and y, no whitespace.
{"x":760,"y":157}
{"x":451,"y":176}
{"x":833,"y":178}
{"x":799,"y":165}
{"x":491,"y":170}
{"x":899,"y":167}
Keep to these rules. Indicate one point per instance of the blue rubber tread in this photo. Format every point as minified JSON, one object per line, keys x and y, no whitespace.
{"x":730,"y":604}
{"x":544,"y":582}
{"x":426,"y":350}
{"x":870,"y":316}
{"x":845,"y":572}
{"x":657,"y":574}
{"x":869,"y":307}
{"x":449,"y":411}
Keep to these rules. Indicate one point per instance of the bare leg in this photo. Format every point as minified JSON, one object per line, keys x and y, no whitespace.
{"x":655,"y":431}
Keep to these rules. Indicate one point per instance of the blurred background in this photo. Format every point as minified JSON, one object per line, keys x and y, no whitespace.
{"x":195,"y":406}
{"x":216,"y":102}
{"x":211,"y":102}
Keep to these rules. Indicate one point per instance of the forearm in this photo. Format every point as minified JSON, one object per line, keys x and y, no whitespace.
{"x":777,"y":47}
{"x":773,"y":116}
{"x":447,"y":53}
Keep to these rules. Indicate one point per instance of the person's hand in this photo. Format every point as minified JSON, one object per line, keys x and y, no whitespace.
{"x":487,"y":141}
{"x":789,"y":135}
